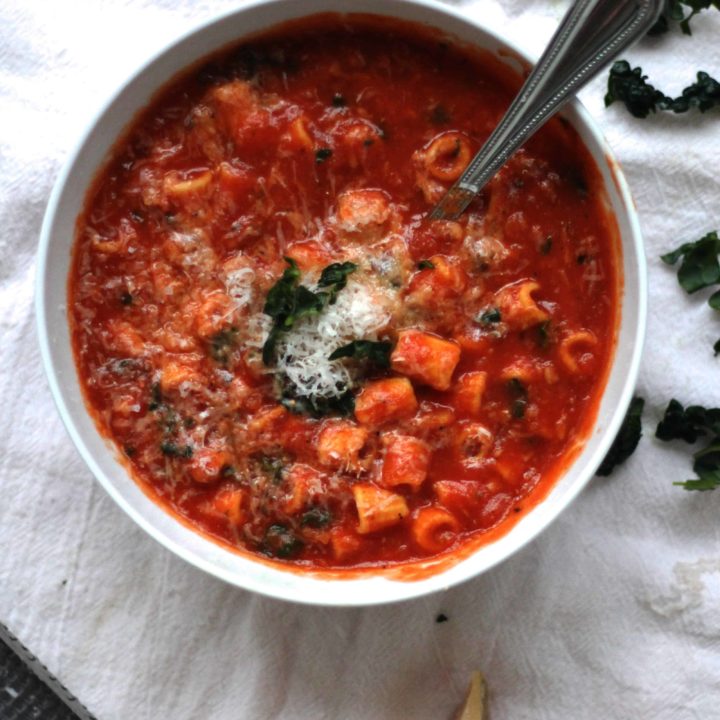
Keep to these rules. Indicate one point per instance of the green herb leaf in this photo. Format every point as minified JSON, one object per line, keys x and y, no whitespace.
{"x":490,"y":317}
{"x":273,"y":467}
{"x":689,"y":424}
{"x":699,"y":268}
{"x":676,"y":12}
{"x":176,"y":451}
{"x":543,"y":330}
{"x":627,"y":439}
{"x":287,"y":302}
{"x":377,"y":353}
{"x":155,"y":397}
{"x":707,"y":468}
{"x":336,"y":274}
{"x":280,"y":542}
{"x":709,"y":482}
{"x":316,"y":517}
{"x":519,"y":398}
{"x":630,"y":86}
{"x":546,"y":245}
{"x":319,"y":406}
{"x":222,"y":345}
{"x":439,"y":115}
{"x":280,"y":300}
{"x":714,"y":301}
{"x":322,"y":155}
{"x":425,"y":265}
{"x":338,"y":100}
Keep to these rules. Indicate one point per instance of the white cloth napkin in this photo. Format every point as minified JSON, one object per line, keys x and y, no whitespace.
{"x":612,"y":613}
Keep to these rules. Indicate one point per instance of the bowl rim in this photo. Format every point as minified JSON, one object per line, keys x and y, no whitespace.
{"x":385,"y":591}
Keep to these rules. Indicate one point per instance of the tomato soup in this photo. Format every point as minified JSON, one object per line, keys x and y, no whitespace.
{"x":289,"y":354}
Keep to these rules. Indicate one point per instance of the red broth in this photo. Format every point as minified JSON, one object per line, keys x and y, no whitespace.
{"x":474,"y":352}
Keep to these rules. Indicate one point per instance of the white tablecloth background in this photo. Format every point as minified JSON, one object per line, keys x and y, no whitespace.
{"x":612,"y":613}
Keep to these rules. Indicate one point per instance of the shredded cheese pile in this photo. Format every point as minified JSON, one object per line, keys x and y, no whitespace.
{"x":360,"y":312}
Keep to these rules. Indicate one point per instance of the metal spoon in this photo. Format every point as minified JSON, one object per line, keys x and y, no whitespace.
{"x":590,"y":35}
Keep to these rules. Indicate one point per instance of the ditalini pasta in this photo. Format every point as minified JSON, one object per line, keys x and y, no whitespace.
{"x":288,"y":353}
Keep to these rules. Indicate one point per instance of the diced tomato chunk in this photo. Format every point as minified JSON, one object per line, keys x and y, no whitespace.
{"x":406,"y":461}
{"x":339,"y":444}
{"x":385,"y":400}
{"x":469,"y":392}
{"x":426,"y":358}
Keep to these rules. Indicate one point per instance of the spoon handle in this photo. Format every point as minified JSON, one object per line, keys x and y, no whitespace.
{"x":590,"y":35}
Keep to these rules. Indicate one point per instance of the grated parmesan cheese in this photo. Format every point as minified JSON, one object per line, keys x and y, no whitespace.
{"x":239,"y":285}
{"x":361,"y":311}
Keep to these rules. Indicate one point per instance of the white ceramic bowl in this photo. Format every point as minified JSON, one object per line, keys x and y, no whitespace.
{"x":240,"y":569}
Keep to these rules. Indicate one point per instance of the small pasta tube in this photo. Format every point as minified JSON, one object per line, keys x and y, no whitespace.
{"x":406,"y":461}
{"x":384,"y":400}
{"x":469,"y":391}
{"x":434,"y":528}
{"x":377,"y":508}
{"x":447,"y":156}
{"x":517,"y":307}
{"x":576,"y":350}
{"x":339,"y":444}
{"x":426,"y":358}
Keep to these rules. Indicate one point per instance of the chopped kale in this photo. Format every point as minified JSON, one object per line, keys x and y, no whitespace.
{"x":675,"y":11}
{"x":546,"y":245}
{"x":627,"y":439}
{"x":170,"y":449}
{"x":543,"y":331}
{"x":222,"y":344}
{"x":518,"y":398}
{"x":439,"y":115}
{"x":699,"y":269}
{"x":690,"y":424}
{"x":490,"y":317}
{"x":316,"y":517}
{"x":280,"y":542}
{"x":322,"y":155}
{"x":335,"y":277}
{"x":687,"y":424}
{"x":273,"y":467}
{"x":377,"y":353}
{"x":155,"y":397}
{"x":630,"y":86}
{"x":320,"y":406}
{"x":287,"y":301}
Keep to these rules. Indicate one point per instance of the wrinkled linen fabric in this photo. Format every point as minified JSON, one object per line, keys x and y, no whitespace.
{"x":611,"y":613}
